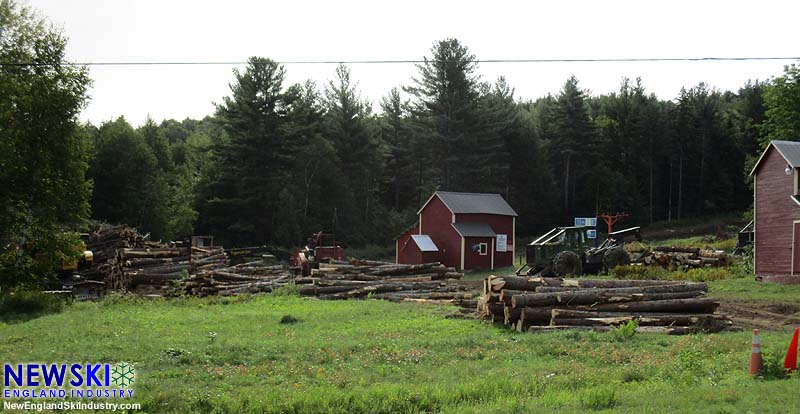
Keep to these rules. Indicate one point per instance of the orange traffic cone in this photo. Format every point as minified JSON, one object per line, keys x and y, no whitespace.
{"x":755,"y":355}
{"x":790,"y":362}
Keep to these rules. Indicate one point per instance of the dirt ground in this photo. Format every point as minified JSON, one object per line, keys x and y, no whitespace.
{"x":763,"y":315}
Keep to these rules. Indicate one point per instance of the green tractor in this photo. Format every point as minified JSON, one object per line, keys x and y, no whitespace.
{"x":567,"y":251}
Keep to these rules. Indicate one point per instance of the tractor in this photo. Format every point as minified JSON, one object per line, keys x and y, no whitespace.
{"x":566,"y":251}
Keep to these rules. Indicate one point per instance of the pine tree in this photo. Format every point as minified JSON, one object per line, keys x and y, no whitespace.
{"x":447,"y":94}
{"x":251,"y":167}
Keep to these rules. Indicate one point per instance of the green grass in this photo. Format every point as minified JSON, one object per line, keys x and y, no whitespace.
{"x":234,"y":355}
{"x":751,"y":290}
{"x":701,"y":242}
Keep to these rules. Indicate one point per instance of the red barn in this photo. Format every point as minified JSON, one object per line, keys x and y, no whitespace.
{"x":462,"y":230}
{"x":776,"y":212}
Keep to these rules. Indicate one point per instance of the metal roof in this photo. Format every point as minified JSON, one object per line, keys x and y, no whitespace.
{"x":474,"y":229}
{"x":473,"y":203}
{"x":789,"y":150}
{"x":424,"y":243}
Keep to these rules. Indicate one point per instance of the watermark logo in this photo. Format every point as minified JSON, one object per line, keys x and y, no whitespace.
{"x":34,"y":380}
{"x":123,"y":375}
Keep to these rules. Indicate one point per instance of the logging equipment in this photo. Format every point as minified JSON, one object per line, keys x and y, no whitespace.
{"x":320,"y":246}
{"x":566,"y":251}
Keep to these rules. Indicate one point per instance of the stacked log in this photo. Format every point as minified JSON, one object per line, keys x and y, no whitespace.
{"x":223,"y":280}
{"x":104,"y":242}
{"x":541,"y":304}
{"x":152,"y":271}
{"x":420,"y":283}
{"x":676,"y":257}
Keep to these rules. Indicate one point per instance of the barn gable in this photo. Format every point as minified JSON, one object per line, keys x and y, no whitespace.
{"x":789,"y":150}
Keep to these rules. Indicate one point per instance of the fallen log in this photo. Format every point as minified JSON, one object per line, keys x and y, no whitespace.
{"x":677,"y":249}
{"x":152,"y":252}
{"x":515,"y":283}
{"x":583,"y":297}
{"x":612,"y":283}
{"x":669,"y":330}
{"x":697,"y":305}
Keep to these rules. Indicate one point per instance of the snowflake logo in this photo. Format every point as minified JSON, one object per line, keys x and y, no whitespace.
{"x":123,"y":374}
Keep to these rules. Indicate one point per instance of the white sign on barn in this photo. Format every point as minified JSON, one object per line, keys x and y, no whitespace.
{"x":501,"y":242}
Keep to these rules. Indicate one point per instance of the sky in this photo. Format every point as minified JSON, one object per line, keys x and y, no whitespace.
{"x":347,"y":30}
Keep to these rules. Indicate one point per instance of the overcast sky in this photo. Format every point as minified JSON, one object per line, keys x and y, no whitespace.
{"x":232,"y":30}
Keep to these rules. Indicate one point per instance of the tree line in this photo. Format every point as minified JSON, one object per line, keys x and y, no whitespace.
{"x":276,"y":162}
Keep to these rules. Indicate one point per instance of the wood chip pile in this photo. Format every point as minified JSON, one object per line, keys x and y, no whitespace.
{"x":676,"y":257}
{"x":541,"y":304}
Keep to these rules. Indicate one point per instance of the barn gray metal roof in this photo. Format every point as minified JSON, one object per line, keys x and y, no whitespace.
{"x":474,"y":229}
{"x":474,"y":203}
{"x":789,"y":150}
{"x":424,"y":243}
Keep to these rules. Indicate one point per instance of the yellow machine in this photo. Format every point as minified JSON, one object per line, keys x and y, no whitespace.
{"x":83,"y":262}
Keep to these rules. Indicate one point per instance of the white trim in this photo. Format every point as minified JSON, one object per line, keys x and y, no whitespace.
{"x":794,"y":223}
{"x":771,"y":145}
{"x":484,"y":247}
{"x":462,"y":253}
{"x":493,"y":241}
{"x":795,"y":200}
{"x":429,"y":200}
{"x":453,"y":217}
{"x":513,"y":240}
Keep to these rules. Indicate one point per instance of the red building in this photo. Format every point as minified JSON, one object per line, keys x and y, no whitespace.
{"x":462,"y":230}
{"x":776,"y":212}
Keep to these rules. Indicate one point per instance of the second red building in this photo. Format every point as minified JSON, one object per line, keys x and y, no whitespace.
{"x":461,"y":230}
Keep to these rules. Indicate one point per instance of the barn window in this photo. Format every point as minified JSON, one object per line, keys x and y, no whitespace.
{"x":482,"y":249}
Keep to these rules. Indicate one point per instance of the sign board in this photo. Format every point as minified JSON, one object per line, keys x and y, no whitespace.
{"x":591,"y":234}
{"x":586,"y":221}
{"x":502,"y":239}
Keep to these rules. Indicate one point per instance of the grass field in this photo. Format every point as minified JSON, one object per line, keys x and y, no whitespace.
{"x":233,"y":355}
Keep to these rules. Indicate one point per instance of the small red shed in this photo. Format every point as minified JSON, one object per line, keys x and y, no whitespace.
{"x":776,"y":213}
{"x":462,"y":230}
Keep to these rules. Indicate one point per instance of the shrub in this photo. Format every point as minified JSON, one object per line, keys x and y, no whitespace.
{"x":289,"y":289}
{"x":772,"y":367}
{"x":625,"y":331}
{"x":702,"y":275}
{"x":30,"y":302}
{"x":599,"y":398}
{"x":637,"y":272}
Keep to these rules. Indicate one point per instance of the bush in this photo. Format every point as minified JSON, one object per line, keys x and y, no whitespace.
{"x":289,"y":289}
{"x":772,"y":367}
{"x":702,"y":275}
{"x":633,"y":272}
{"x":30,"y":302}
{"x":599,"y":399}
{"x":372,"y":252}
{"x":625,"y":331}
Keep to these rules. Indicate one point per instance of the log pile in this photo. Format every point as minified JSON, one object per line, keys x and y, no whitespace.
{"x":542,"y":304}
{"x":104,"y":242}
{"x":153,"y":271}
{"x":676,"y":257}
{"x":250,"y":277}
{"x":421,"y":283}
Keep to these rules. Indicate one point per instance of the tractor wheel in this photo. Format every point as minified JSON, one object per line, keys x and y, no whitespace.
{"x":615,"y":257}
{"x":567,"y":263}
